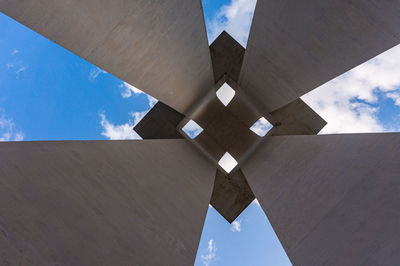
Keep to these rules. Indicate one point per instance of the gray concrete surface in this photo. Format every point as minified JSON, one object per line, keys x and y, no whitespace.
{"x":297,"y":118}
{"x":231,"y":195}
{"x":226,"y":56}
{"x":160,"y":123}
{"x":102,"y":202}
{"x":296,"y":46}
{"x":331,"y":199}
{"x":158,"y":46}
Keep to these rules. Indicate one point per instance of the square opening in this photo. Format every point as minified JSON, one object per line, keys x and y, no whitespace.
{"x":225,"y":94}
{"x":261,"y":127}
{"x":192,"y":129}
{"x":227,"y":162}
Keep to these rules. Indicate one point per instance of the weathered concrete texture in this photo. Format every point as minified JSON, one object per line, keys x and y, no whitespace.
{"x":331,"y":199}
{"x":158,"y":46}
{"x":226,"y":56}
{"x":160,"y":123}
{"x":231,"y":195}
{"x":295,"y":47}
{"x":297,"y":118}
{"x":102,"y":202}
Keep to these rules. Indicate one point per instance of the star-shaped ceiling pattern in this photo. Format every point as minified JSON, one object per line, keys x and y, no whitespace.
{"x":331,"y":199}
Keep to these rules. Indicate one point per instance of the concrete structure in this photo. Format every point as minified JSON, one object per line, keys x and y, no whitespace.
{"x":294,"y":46}
{"x":332,"y":200}
{"x":226,"y":57}
{"x":231,"y":194}
{"x":297,"y":118}
{"x":102,"y":202}
{"x":160,"y":123}
{"x":157,"y":46}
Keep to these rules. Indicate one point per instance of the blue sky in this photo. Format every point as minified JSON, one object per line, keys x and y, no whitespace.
{"x":48,"y":93}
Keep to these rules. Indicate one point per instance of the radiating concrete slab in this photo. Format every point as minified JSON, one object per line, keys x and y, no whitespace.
{"x":297,"y":118}
{"x":331,"y":199}
{"x":226,"y":56}
{"x":158,"y":46}
{"x":296,"y":46}
{"x":231,"y":195}
{"x":160,"y":123}
{"x":102,"y":202}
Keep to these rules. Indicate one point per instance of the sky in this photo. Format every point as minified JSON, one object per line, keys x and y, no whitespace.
{"x":48,"y":93}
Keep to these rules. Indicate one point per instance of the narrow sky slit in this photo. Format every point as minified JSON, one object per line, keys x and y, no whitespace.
{"x":227,"y":162}
{"x":261,"y":127}
{"x":192,"y":129}
{"x":225,"y":94}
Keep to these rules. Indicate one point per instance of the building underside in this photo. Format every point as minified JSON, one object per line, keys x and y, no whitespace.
{"x":331,"y":199}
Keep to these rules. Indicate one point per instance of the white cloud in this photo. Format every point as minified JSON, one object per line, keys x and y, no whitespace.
{"x":395,"y":96}
{"x":236,"y":226}
{"x":95,"y":72}
{"x":234,"y":18}
{"x":8,"y":131}
{"x":208,"y":258}
{"x":137,"y":116}
{"x":349,"y":103}
{"x":152,"y":101}
{"x":5,"y":136}
{"x":19,"y":136}
{"x":14,"y":52}
{"x":20,"y":69}
{"x":129,"y":90}
{"x":123,"y":131}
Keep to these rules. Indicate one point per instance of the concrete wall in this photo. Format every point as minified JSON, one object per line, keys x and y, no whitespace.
{"x":295,"y":46}
{"x":102,"y":202}
{"x":333,"y":199}
{"x":158,"y":46}
{"x":160,"y":123}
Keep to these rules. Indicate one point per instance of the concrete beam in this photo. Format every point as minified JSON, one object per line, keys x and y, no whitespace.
{"x":297,"y":118}
{"x":331,"y":199}
{"x":231,"y":195}
{"x":296,"y":46}
{"x":102,"y":202}
{"x":158,"y":46}
{"x":226,"y":56}
{"x":160,"y":123}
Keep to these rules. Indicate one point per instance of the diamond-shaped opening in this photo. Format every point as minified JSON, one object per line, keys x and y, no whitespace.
{"x":261,"y":127}
{"x":225,"y":94}
{"x":227,"y":162}
{"x":192,"y":129}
